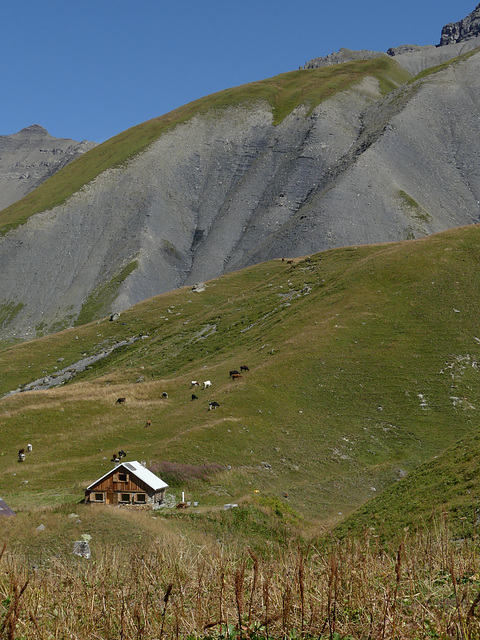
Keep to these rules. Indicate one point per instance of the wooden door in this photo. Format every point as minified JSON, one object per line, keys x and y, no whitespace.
{"x":109,"y":497}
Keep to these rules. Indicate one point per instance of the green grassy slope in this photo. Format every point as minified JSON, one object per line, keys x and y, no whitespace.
{"x":362,"y":366}
{"x":283,"y":93}
{"x":445,"y":489}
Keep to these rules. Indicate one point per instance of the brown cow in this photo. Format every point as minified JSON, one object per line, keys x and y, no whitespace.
{"x":235,"y":376}
{"x":121,"y":401}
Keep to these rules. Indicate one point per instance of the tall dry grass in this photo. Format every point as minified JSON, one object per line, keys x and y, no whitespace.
{"x":428,"y":588}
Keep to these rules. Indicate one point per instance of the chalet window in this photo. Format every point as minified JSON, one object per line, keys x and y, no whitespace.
{"x":124,"y":497}
{"x":141,"y":497}
{"x":122,"y":477}
{"x":98,"y":497}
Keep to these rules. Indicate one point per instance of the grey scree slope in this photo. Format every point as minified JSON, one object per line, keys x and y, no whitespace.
{"x":229,"y":189}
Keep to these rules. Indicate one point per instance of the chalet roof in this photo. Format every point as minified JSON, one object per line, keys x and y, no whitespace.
{"x":138,"y":470}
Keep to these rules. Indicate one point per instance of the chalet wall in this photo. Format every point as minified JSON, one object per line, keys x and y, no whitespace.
{"x":120,"y":483}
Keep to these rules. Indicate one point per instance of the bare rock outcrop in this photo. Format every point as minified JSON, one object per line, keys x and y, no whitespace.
{"x":463,"y":30}
{"x":456,"y":39}
{"x":29,"y":157}
{"x":344,"y":55}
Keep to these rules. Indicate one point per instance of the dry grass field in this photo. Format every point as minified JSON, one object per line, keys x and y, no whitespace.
{"x":171,"y":587}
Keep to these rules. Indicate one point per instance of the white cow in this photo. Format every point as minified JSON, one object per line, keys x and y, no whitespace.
{"x":207,"y":384}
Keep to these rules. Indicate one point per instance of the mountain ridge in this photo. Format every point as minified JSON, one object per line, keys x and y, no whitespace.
{"x":352,"y":153}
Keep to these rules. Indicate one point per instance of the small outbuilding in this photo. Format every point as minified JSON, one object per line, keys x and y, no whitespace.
{"x":5,"y":509}
{"x":129,"y":483}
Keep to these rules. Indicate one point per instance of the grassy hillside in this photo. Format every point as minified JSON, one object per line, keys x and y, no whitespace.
{"x":283,"y":93}
{"x":443,"y":488}
{"x":363,"y":365}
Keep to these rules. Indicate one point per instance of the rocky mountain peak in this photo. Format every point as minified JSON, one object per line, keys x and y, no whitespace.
{"x":463,"y":30}
{"x":34,"y":128}
{"x":29,"y":157}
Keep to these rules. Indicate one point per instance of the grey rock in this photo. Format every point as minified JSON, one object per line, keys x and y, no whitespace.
{"x":82,"y":548}
{"x":344,"y":55}
{"x":29,"y":157}
{"x":463,"y":30}
{"x":41,"y":527}
{"x":64,"y":375}
{"x":409,"y":48}
{"x":418,"y":59}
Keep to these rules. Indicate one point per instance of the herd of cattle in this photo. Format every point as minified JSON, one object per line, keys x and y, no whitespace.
{"x":117,"y":457}
{"x":234,"y":374}
{"x":21,"y":453}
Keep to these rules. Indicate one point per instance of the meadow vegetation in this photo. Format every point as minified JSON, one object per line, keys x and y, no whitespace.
{"x":172,"y":587}
{"x":363,"y":365}
{"x":362,"y":382}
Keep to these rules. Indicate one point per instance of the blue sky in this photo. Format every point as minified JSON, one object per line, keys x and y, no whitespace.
{"x":88,"y":69}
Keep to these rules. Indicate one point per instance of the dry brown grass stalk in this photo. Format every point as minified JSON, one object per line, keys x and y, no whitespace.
{"x":174,"y":589}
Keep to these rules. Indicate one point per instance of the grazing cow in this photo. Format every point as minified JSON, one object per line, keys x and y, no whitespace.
{"x":194,"y":397}
{"x":121,"y":401}
{"x":164,"y":394}
{"x":213,"y":405}
{"x":122,"y":454}
{"x":244,"y":368}
{"x":29,"y":447}
{"x":236,"y":376}
{"x":233,"y":372}
{"x":194,"y":383}
{"x":207,"y":384}
{"x":148,"y":423}
{"x":21,"y":455}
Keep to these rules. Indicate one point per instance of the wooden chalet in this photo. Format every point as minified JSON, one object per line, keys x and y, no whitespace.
{"x":128,"y":483}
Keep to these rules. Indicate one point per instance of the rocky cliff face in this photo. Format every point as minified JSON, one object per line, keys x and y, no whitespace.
{"x":29,"y":157}
{"x":456,"y":38}
{"x":463,"y":30}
